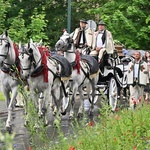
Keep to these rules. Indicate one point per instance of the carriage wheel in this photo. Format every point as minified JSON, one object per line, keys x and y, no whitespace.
{"x":112,"y":93}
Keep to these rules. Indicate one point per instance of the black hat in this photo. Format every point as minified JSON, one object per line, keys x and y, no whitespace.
{"x":101,"y":23}
{"x":83,"y":20}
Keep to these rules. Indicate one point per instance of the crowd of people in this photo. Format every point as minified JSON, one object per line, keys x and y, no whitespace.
{"x":101,"y":42}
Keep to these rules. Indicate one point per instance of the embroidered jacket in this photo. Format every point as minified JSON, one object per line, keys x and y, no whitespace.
{"x":107,"y":39}
{"x":88,"y":35}
{"x":143,"y":77}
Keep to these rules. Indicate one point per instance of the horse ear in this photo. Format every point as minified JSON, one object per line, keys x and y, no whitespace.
{"x":28,"y":45}
{"x":30,"y":50}
{"x":31,"y":41}
{"x":19,"y":45}
{"x":40,"y":43}
{"x":6,"y":33}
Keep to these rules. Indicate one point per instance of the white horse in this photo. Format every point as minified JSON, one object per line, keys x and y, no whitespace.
{"x":9,"y":76}
{"x":44,"y":78}
{"x":83,"y":75}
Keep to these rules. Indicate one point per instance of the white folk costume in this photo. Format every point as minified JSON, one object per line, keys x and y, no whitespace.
{"x":102,"y":39}
{"x":82,"y":37}
{"x":137,"y":78}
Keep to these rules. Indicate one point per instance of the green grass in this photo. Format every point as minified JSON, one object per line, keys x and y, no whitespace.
{"x":123,"y":130}
{"x":2,"y":96}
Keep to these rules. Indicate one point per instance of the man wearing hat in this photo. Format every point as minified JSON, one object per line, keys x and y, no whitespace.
{"x":137,"y":79}
{"x":82,"y":36}
{"x":102,"y":41}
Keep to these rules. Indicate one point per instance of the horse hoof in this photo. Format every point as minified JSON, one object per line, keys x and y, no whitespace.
{"x":9,"y":129}
{"x":70,"y":117}
{"x":63,"y":113}
{"x":91,"y":113}
{"x":80,"y":115}
{"x":54,"y":113}
{"x":45,"y":123}
{"x":26,"y":124}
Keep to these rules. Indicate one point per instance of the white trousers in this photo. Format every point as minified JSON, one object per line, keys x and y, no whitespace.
{"x":100,"y":54}
{"x":136,"y":94}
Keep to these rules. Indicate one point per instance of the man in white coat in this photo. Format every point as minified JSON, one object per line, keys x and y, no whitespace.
{"x":137,"y":78}
{"x":82,"y":36}
{"x":102,"y":41}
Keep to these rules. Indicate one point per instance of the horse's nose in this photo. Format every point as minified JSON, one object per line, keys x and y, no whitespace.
{"x":27,"y":76}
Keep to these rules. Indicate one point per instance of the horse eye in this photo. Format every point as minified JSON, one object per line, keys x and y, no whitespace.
{"x":30,"y":50}
{"x":7,"y":45}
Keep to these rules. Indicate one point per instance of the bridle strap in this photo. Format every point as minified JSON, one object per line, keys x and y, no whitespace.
{"x":26,"y":68}
{"x":2,"y":55}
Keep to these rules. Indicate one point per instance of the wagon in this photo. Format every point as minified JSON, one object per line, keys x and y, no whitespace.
{"x":112,"y":78}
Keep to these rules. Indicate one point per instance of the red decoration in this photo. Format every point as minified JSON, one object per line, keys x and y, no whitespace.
{"x":44,"y":53}
{"x":77,"y":59}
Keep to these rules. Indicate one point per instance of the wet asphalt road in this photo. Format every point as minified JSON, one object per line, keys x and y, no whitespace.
{"x":21,"y":140}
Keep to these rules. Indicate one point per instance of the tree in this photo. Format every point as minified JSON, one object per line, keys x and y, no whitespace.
{"x":36,"y":28}
{"x":128,"y":21}
{"x":3,"y":9}
{"x":17,"y":29}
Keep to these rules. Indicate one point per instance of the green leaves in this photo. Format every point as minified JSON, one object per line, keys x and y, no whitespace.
{"x":127,"y":20}
{"x":38,"y":23}
{"x":18,"y":31}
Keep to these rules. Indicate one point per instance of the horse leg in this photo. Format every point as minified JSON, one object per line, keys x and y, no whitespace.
{"x":34,"y":98}
{"x":81,"y":107}
{"x":73,"y":98}
{"x":56,"y":96}
{"x":19,"y":100}
{"x":45,"y":104}
{"x":7,"y":96}
{"x":10,"y":108}
{"x":64,"y":97}
{"x":93,"y":88}
{"x":40,"y":100}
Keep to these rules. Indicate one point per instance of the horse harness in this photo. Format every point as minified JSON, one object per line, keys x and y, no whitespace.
{"x":12,"y":67}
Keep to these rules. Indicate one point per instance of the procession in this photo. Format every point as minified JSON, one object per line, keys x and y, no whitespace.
{"x":84,"y":66}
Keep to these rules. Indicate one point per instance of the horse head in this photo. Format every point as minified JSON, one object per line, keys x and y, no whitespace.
{"x":25,"y":63}
{"x":6,"y":46}
{"x":30,"y":58}
{"x":64,"y":43}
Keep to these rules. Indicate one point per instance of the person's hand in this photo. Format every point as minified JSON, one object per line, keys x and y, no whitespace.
{"x":98,"y":49}
{"x":85,"y":45}
{"x":99,"y":60}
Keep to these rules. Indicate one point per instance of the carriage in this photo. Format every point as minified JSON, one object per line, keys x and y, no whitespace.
{"x":113,"y":77}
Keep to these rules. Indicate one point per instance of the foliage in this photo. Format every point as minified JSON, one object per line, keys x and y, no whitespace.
{"x":2,"y":96}
{"x":36,"y":28}
{"x":126,"y":129}
{"x":7,"y":139}
{"x":3,"y":10}
{"x":128,"y":20}
{"x":17,"y":30}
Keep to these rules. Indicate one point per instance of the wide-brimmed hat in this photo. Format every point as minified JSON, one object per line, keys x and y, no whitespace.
{"x":83,"y":20}
{"x":101,"y":23}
